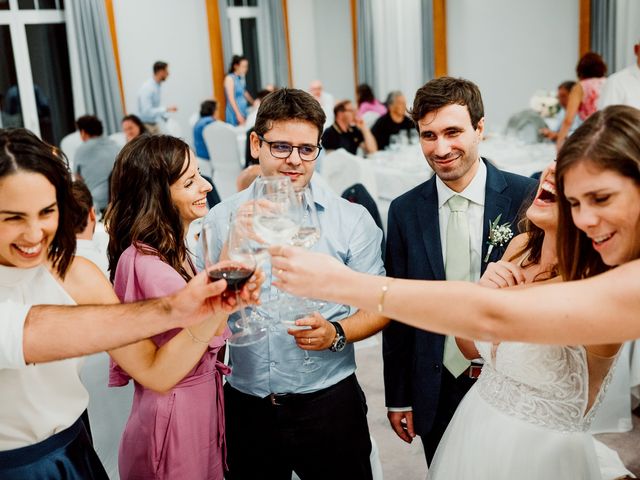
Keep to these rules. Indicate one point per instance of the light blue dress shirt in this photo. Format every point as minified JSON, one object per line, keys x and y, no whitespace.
{"x":275,"y":365}
{"x":149,"y":108}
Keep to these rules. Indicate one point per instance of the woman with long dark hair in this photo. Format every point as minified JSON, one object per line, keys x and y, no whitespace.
{"x":177,"y":414}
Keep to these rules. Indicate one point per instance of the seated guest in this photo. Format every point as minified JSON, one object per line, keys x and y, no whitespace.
{"x":563,"y":99}
{"x":394,"y":121}
{"x":85,"y":227}
{"x":207,"y":116}
{"x":347,"y":131}
{"x":132,"y":126}
{"x":94,"y":159}
{"x":367,"y":101}
{"x":324,"y":98}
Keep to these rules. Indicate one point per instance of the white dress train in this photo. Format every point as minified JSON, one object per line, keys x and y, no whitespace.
{"x":526,"y":417}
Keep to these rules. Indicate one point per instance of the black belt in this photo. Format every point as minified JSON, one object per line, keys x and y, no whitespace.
{"x":284,"y":399}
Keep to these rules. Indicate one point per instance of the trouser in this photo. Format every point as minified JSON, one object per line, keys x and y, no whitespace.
{"x":319,"y":435}
{"x":67,"y":455}
{"x":452,"y":391}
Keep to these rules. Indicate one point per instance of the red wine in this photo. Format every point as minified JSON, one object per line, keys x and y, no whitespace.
{"x":236,"y":277}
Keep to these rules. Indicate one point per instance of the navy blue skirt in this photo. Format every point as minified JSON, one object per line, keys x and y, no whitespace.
{"x":67,"y":455}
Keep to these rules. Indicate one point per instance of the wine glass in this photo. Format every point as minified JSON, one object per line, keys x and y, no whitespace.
{"x":307,"y":236}
{"x":236,"y":271}
{"x":276,"y":219}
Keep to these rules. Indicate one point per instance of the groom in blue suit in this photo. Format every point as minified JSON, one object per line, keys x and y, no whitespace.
{"x":439,"y":231}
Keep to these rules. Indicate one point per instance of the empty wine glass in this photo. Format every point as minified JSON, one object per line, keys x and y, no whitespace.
{"x":236,"y":271}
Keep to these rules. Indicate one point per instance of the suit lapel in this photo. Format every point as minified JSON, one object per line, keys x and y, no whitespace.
{"x":430,"y":227}
{"x":495,"y":203}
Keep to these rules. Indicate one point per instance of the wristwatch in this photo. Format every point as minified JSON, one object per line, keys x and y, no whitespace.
{"x":340,"y":341}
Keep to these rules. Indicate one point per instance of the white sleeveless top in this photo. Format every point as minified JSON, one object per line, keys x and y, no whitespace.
{"x":37,"y":401}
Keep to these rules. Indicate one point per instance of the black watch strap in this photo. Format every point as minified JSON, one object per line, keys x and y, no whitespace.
{"x":340,"y":340}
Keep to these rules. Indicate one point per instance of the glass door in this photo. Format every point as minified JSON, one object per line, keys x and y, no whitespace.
{"x":35,"y":79}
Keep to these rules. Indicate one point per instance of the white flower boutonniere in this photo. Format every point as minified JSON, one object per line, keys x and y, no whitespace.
{"x":498,"y":235}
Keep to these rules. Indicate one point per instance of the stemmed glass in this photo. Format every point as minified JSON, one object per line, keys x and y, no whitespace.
{"x":308,"y":235}
{"x":236,"y":271}
{"x":276,"y":219}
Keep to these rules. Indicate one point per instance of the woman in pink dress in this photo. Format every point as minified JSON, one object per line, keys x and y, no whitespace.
{"x":584,"y":95}
{"x":176,"y":425}
{"x":367,"y":101}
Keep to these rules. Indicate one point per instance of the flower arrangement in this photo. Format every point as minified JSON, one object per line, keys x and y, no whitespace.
{"x":545,"y":103}
{"x":498,"y":235}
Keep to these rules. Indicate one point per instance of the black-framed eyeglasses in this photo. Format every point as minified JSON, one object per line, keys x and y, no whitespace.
{"x":308,"y":153}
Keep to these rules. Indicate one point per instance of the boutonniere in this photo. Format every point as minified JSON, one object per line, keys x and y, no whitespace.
{"x":498,"y":235}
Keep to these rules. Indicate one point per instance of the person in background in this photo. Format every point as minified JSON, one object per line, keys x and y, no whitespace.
{"x":208,"y":110}
{"x":150,"y":109}
{"x":367,"y":102}
{"x":324,"y":98}
{"x":132,"y":126}
{"x":235,"y":91}
{"x":623,"y":87}
{"x":94,"y":159}
{"x":86,"y":227}
{"x":584,"y":95}
{"x":394,"y":121}
{"x":563,"y":99}
{"x":348,"y":131}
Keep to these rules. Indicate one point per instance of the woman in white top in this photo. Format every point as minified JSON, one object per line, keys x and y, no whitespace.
{"x":41,"y":434}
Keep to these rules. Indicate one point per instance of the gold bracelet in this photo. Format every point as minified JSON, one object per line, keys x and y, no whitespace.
{"x":194,"y":338}
{"x":383,"y":291}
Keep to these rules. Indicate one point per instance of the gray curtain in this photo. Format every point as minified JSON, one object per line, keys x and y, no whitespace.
{"x":226,"y":33}
{"x":428,"y":67}
{"x":277,"y":28}
{"x":603,"y":31}
{"x":366,"y":72}
{"x":98,"y":71}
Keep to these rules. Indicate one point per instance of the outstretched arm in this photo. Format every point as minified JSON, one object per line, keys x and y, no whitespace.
{"x":602,"y":309}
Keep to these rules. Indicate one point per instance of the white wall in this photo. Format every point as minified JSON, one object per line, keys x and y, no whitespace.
{"x":172,"y":31}
{"x":321,"y":45}
{"x":511,"y":48}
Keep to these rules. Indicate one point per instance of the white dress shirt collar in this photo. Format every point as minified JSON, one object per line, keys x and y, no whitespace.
{"x":474,"y":192}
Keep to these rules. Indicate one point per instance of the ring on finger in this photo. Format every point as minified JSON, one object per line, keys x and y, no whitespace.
{"x":308,"y":341}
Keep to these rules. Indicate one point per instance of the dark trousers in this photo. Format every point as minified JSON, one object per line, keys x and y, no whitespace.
{"x":321,"y":435}
{"x":452,"y":390}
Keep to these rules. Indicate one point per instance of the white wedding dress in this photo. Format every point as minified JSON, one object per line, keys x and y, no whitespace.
{"x":527,"y":416}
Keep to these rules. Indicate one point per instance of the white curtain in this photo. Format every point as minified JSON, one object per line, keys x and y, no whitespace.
{"x":627,"y":32}
{"x":398,"y":47}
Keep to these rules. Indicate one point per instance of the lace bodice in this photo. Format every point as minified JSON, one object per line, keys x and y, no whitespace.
{"x":546,"y":385}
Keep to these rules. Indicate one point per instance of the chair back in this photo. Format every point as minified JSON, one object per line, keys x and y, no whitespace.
{"x":69,"y":144}
{"x":341,"y":170}
{"x":222,"y":143}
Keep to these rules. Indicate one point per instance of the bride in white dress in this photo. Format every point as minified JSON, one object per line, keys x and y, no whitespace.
{"x":529,"y":413}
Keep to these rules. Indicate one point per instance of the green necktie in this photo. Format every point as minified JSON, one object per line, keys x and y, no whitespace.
{"x":457,"y":266}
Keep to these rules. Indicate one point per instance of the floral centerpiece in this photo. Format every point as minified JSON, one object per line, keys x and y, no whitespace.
{"x":545,"y":103}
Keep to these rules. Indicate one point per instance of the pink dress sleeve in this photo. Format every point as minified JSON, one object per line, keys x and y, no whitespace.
{"x":141,"y":277}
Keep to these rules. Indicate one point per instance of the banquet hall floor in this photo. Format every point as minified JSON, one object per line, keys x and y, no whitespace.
{"x":401,"y":461}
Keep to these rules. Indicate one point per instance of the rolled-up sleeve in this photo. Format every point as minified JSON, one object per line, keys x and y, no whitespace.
{"x":12,"y":318}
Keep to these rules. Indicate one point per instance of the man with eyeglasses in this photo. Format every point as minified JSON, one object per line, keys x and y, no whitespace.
{"x":281,"y":417}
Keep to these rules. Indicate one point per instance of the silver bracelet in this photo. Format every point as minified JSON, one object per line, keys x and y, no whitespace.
{"x":194,"y":338}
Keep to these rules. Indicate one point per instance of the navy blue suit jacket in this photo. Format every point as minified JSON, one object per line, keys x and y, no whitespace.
{"x":413,"y":357}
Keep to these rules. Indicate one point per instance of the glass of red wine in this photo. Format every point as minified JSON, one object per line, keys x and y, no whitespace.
{"x":236,"y":270}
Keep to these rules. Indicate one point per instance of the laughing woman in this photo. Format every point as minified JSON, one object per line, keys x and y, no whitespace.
{"x":176,"y":426}
{"x":41,"y":434}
